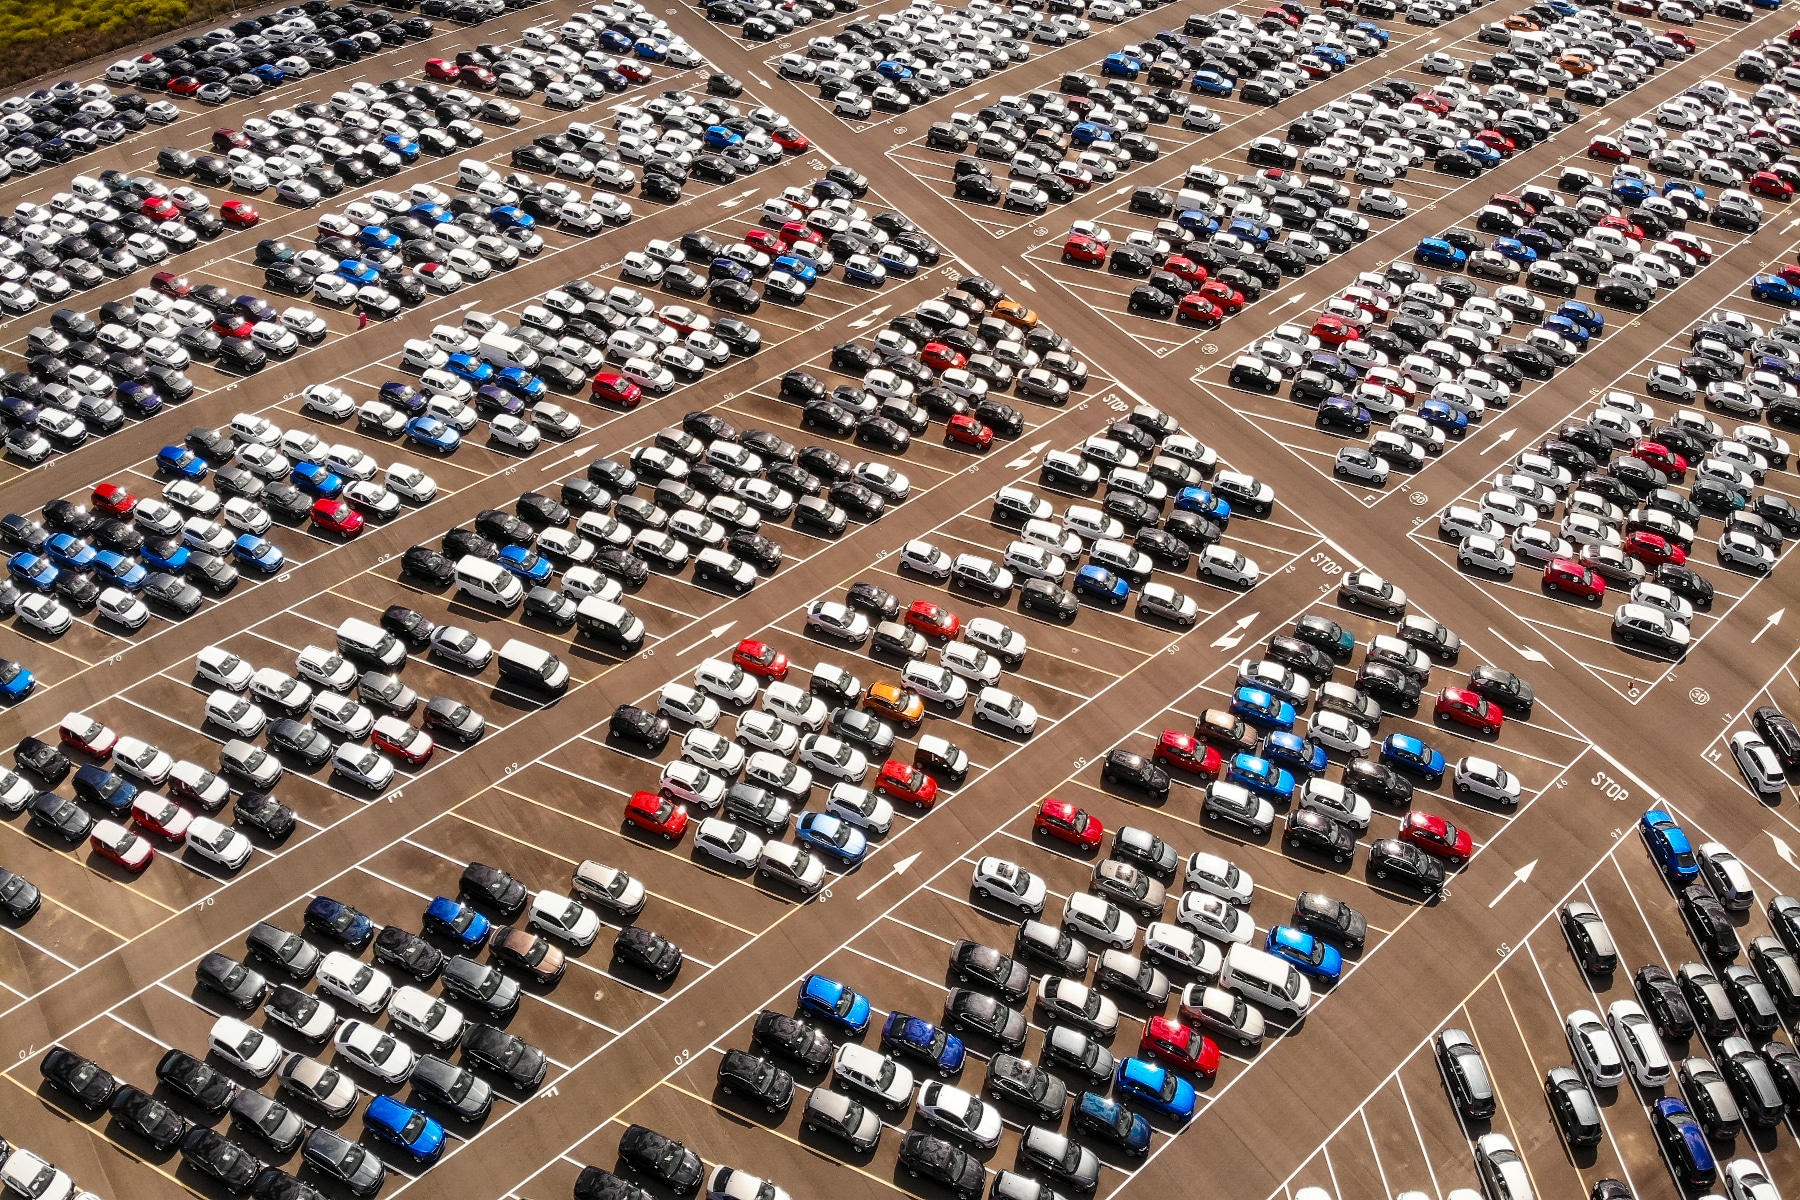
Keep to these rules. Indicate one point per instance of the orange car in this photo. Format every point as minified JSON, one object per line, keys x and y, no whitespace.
{"x":894,"y":703}
{"x":1522,"y":23}
{"x":1575,"y":64}
{"x":1014,"y":313}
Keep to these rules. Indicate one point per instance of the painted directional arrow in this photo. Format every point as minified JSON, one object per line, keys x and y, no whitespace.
{"x":1772,"y":620}
{"x":1519,"y":876}
{"x":1290,"y":301}
{"x":1026,"y":459}
{"x":899,"y":868}
{"x":871,"y":318}
{"x":1785,"y":851}
{"x":1023,"y":282}
{"x":1231,"y":637}
{"x":1500,"y":440}
{"x":715,"y":631}
{"x":1524,"y":652}
{"x":739,"y":198}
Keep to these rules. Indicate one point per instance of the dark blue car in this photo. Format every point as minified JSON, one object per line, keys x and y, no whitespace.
{"x":1111,"y":1120}
{"x":1445,"y":416}
{"x":1585,"y":315}
{"x":915,"y":1037}
{"x":117,"y":569}
{"x":433,"y":434}
{"x":99,"y":786}
{"x":1294,"y":752}
{"x":164,"y":554}
{"x":338,"y":921}
{"x":510,"y":216}
{"x":1101,"y":584}
{"x":520,"y":383}
{"x":316,"y":480}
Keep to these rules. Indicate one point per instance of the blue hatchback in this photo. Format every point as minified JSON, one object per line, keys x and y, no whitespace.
{"x":1112,"y":1121}
{"x":1444,"y":416}
{"x":651,"y":49}
{"x":70,"y":552}
{"x":517,"y":381}
{"x":1670,"y":847}
{"x":1685,"y":1143}
{"x":1563,"y":327}
{"x":164,"y":554}
{"x":1294,"y":752}
{"x":358,"y":272}
{"x":526,"y":563}
{"x":510,"y":216}
{"x":870,"y":274}
{"x":315,"y":480}
{"x":420,"y":1136}
{"x":1314,"y":956}
{"x":894,"y":69}
{"x":458,"y":922}
{"x":832,"y":835}
{"x":915,"y":1037}
{"x":1516,"y":250}
{"x":1203,"y":502}
{"x":835,"y":1003}
{"x":405,"y":147}
{"x":1262,"y":708}
{"x":16,"y":680}
{"x":1119,"y":65}
{"x":375,"y":237}
{"x":1102,"y":584}
{"x":432,"y":214}
{"x":34,"y":571}
{"x":179,"y":460}
{"x":258,"y":552}
{"x":1584,"y":315}
{"x":1156,"y":1087}
{"x":1403,"y":752}
{"x":799,"y":268}
{"x":467,"y":366}
{"x":1773,"y":289}
{"x":1260,"y":776}
{"x":1211,"y":83}
{"x":433,"y":434}
{"x":117,"y":569}
{"x":344,"y":923}
{"x":614,"y":41}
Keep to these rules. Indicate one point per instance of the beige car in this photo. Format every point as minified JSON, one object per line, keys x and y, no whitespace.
{"x":1125,"y":884}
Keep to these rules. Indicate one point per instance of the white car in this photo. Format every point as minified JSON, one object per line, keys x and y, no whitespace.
{"x":222,"y":667}
{"x":833,"y":757}
{"x":713,"y":751}
{"x":1738,"y":548}
{"x":1077,"y":1004}
{"x":874,"y":1075}
{"x":1035,"y":562}
{"x":838,"y":620}
{"x":726,"y":681}
{"x":1483,"y":777}
{"x":999,"y":707}
{"x":1090,"y":916}
{"x":958,"y":1113}
{"x":362,"y":765}
{"x":796,"y":706}
{"x":934,"y":682}
{"x":1218,"y":876}
{"x":860,"y":807}
{"x":679,"y":702}
{"x":970,"y":662}
{"x":775,"y":774}
{"x":428,"y":1016}
{"x":1762,"y":770}
{"x":329,"y":401}
{"x":728,"y":843}
{"x":381,"y":1054}
{"x":218,"y":843}
{"x":996,"y":638}
{"x":683,"y":781}
{"x":1337,"y":732}
{"x":355,"y":982}
{"x":923,"y":558}
{"x":1003,"y":880}
{"x":1658,"y":595}
{"x":45,"y":614}
{"x":1481,"y":552}
{"x":331,"y":710}
{"x":1274,"y":677}
{"x":1215,"y":917}
{"x":1227,"y":565}
{"x":1727,"y":876}
{"x":564,"y":918}
{"x":235,"y":714}
{"x":1745,"y":1179}
{"x":142,"y":761}
{"x":1538,"y":545}
{"x":766,"y":731}
{"x":1639,"y":1043}
{"x":244,"y":1047}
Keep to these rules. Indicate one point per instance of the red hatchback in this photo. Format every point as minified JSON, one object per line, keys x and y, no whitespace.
{"x":1197,"y":308}
{"x":760,"y":658}
{"x":1083,"y":248}
{"x":1767,"y":183}
{"x":239,"y":213}
{"x":1180,"y":1046}
{"x":791,"y":140}
{"x":656,"y":814}
{"x":1333,"y":330}
{"x":1187,"y":753}
{"x":1464,"y":707}
{"x":1437,"y":837}
{"x":159,"y":208}
{"x":171,"y":284}
{"x":967,"y":430}
{"x":767,"y":241}
{"x":933,"y":620}
{"x":1567,"y":575}
{"x":412,"y":746}
{"x":441,"y":69}
{"x":1662,"y":458}
{"x":1183,"y":267}
{"x":903,"y":781}
{"x":1066,"y":823}
{"x":614,"y":387}
{"x":1653,"y":549}
{"x":1223,"y":296}
{"x":111,"y":498}
{"x":799,"y":231}
{"x":941,"y":357}
{"x":336,"y":516}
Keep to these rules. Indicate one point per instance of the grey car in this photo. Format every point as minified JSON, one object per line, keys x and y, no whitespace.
{"x":1057,"y":1156}
{"x":841,"y":1117}
{"x":465,"y":1094}
{"x":336,"y":1156}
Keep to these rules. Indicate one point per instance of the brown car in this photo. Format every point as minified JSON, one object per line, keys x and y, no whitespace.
{"x":529,"y":952}
{"x":893,"y":702}
{"x":1225,"y":731}
{"x":1125,"y":884}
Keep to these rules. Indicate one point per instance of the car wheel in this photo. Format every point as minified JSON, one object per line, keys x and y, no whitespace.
{"x":1381,"y":874}
{"x":1457,"y":861}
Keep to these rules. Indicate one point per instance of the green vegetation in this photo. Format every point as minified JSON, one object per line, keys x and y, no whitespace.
{"x":44,"y":36}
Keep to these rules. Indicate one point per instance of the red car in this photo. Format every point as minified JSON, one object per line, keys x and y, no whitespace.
{"x":161,"y":816}
{"x":1701,"y":252}
{"x":82,"y":732}
{"x":402,"y":741}
{"x":1653,"y":549}
{"x":479,"y":78}
{"x":766,"y":240}
{"x":635,"y":71}
{"x":612,"y":386}
{"x":1767,"y":183}
{"x":656,"y":814}
{"x":903,"y":781}
{"x":1183,"y":267}
{"x":1180,"y":1046}
{"x":336,"y":516}
{"x":227,"y":140}
{"x":239,"y":213}
{"x":171,"y":284}
{"x":440,"y":69}
{"x":111,"y":498}
{"x":940,"y":357}
{"x":967,"y":429}
{"x":799,"y":231}
{"x":1567,"y":575}
{"x":1197,"y":308}
{"x":1662,"y":458}
{"x":1682,"y":37}
{"x":1224,"y":297}
{"x":1431,"y":102}
{"x":1791,"y":273}
{"x":933,"y":621}
{"x":1495,"y":140}
{"x":184,"y":85}
{"x":1437,"y":837}
{"x":159,"y":208}
{"x":1066,"y":823}
{"x":1608,"y":150}
{"x":791,"y":140}
{"x":1333,"y":330}
{"x":1189,"y":754}
{"x":1082,"y":248}
{"x":119,"y":844}
{"x":1465,"y":707}
{"x":1624,"y":225}
{"x":760,"y":658}
{"x":230,"y":324}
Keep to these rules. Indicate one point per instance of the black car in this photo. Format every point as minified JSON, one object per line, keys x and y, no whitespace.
{"x":407,"y":952}
{"x":337,"y":1157}
{"x":82,"y":1079}
{"x":269,"y":1119}
{"x":42,"y":759}
{"x":465,"y":1094}
{"x":793,"y":1039}
{"x":756,"y":1077}
{"x":425,"y":563}
{"x":976,"y":1012}
{"x":148,"y":1117}
{"x":517,"y":1061}
{"x":1503,"y":688}
{"x":1026,"y":1084}
{"x":1333,"y":919}
{"x":61,"y":816}
{"x":1774,"y":727}
{"x":648,"y":951}
{"x":1042,"y":596}
{"x":189,"y":1077}
{"x":930,"y":1156}
{"x":300,"y":740}
{"x":633,"y":724}
{"x":265,"y":814}
{"x":1313,"y":830}
{"x":1135,"y":771}
{"x":482,"y":983}
{"x":1388,"y":684}
{"x":1709,"y":923}
{"x":493,"y":887}
{"x":1663,"y":1001}
{"x":972,"y":962}
{"x":1302,"y":655}
{"x":409,"y":625}
{"x":1572,"y":1103}
{"x":643,"y":1150}
{"x":284,"y":950}
{"x":214,"y":1154}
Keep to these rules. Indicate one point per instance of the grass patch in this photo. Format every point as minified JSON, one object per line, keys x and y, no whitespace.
{"x":43,"y":36}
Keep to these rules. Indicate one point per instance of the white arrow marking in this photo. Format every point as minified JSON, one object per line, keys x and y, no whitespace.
{"x":1524,"y":652}
{"x":1500,"y":440}
{"x":1786,"y":852}
{"x":1519,"y":876}
{"x":1601,"y":121}
{"x":1123,"y":190}
{"x":739,"y":198}
{"x":1231,"y":637}
{"x":1290,"y":301}
{"x":468,"y":306}
{"x":979,"y":96}
{"x":1023,"y":282}
{"x":1790,"y":225}
{"x":1026,"y":459}
{"x":759,"y":79}
{"x":871,"y":318}
{"x":1773,"y":620}
{"x":899,"y":868}
{"x":715,"y":631}
{"x":1434,"y":41}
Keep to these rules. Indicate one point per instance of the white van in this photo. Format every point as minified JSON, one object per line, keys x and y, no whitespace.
{"x":610,"y":623}
{"x":471,"y":173}
{"x":370,"y":644}
{"x":488,"y":582}
{"x":502,"y":350}
{"x":1259,"y":976}
{"x":531,"y":666}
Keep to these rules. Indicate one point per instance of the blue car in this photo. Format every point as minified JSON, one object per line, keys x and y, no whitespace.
{"x":526,"y":563}
{"x":339,"y":921}
{"x":405,"y":147}
{"x":1198,"y":221}
{"x":1260,"y":776}
{"x":376,"y":237}
{"x":16,"y":680}
{"x":1631,"y":191}
{"x":433,"y":435}
{"x":1156,"y":1087}
{"x":799,"y":268}
{"x":315,"y":480}
{"x":420,"y":1136}
{"x":1111,"y":1120}
{"x":140,"y":398}
{"x":1516,"y":250}
{"x":1444,"y":416}
{"x":1294,"y":752}
{"x":517,"y":381}
{"x":651,"y":50}
{"x":1211,"y":83}
{"x":179,"y":460}
{"x":466,"y":366}
{"x":1101,"y":584}
{"x":432,"y":214}
{"x":99,"y":786}
{"x":612,"y":81}
{"x":721,"y":137}
{"x":164,"y":554}
{"x":117,"y":569}
{"x":1314,"y":956}
{"x":1086,"y":133}
{"x":270,"y":74}
{"x":460,"y":923}
{"x":1685,"y":1144}
{"x":870,"y":274}
{"x":34,"y":571}
{"x":832,"y":835}
{"x":511,"y":216}
{"x":258,"y":552}
{"x":1584,"y":315}
{"x":1373,"y":31}
{"x":1773,"y":289}
{"x":834,"y":1003}
{"x":614,"y":41}
{"x":1249,"y":230}
{"x":70,"y":552}
{"x":1670,"y":847}
{"x":1331,"y":54}
{"x":894,"y":69}
{"x":358,"y":272}
{"x":915,"y":1037}
{"x":1572,"y":330}
{"x":1263,"y":709}
{"x":1481,"y":152}
{"x":404,"y":397}
{"x":1406,"y":753}
{"x":1119,"y":65}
